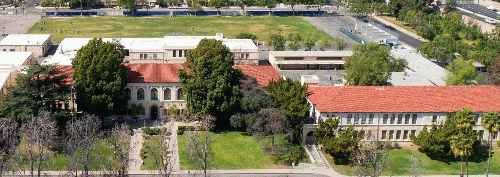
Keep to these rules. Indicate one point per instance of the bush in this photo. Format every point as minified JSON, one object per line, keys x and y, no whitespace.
{"x":153,"y":131}
{"x":245,"y":35}
{"x":182,"y":129}
{"x":498,"y":143}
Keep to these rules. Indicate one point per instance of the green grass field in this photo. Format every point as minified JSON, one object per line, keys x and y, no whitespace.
{"x":158,"y":26}
{"x":232,"y":150}
{"x":400,"y":164}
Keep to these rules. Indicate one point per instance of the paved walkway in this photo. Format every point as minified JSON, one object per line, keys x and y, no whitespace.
{"x":135,"y":161}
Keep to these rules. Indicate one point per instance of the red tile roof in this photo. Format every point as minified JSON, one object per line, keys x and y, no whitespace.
{"x":153,"y":72}
{"x":378,"y":99}
{"x":68,"y":70}
{"x":263,"y":74}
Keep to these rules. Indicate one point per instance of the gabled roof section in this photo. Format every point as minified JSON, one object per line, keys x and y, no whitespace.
{"x":153,"y":72}
{"x":379,"y":99}
{"x":263,"y":74}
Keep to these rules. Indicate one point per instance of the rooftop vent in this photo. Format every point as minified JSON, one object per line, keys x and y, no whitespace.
{"x":309,"y":80}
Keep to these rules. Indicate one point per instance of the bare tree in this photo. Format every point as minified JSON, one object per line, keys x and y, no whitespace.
{"x":120,"y":138}
{"x":160,"y":147}
{"x":417,"y":165}
{"x":198,"y":143}
{"x":82,"y":134}
{"x":8,"y":140}
{"x":38,"y":134}
{"x":372,"y":159}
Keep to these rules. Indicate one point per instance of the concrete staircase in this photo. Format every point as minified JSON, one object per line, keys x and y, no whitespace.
{"x":316,"y":156}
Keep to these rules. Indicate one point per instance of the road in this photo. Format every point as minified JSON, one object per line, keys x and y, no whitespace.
{"x":404,"y":38}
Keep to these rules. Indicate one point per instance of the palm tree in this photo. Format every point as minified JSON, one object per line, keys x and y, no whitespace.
{"x":461,"y":146}
{"x":464,"y":119}
{"x":490,"y":122}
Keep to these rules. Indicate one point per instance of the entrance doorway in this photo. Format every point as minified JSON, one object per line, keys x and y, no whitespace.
{"x":310,"y":138}
{"x":154,"y":112}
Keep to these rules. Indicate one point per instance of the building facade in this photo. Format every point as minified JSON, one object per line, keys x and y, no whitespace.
{"x":308,"y":60}
{"x":393,"y":113}
{"x":39,"y":44}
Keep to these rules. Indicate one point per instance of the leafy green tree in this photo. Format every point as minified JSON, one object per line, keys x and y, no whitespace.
{"x":295,"y":40}
{"x":463,"y":73}
{"x":371,"y":64}
{"x":35,"y":91}
{"x":291,"y":96}
{"x":277,"y":41}
{"x":442,"y":49}
{"x":325,"y":44}
{"x":127,"y":4}
{"x":450,"y":6}
{"x":245,"y":35}
{"x":461,"y":146}
{"x":270,"y":4}
{"x":491,"y":123}
{"x":292,"y":3}
{"x":340,"y":143}
{"x":340,"y":43}
{"x":211,"y":85}
{"x":243,"y":3}
{"x":435,"y":141}
{"x":309,"y":43}
{"x":452,"y":24}
{"x":363,"y":7}
{"x":218,"y":4}
{"x":494,"y":71}
{"x":99,"y":78}
{"x":79,"y":3}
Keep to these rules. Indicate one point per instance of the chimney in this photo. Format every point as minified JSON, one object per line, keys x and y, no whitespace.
{"x":219,"y":36}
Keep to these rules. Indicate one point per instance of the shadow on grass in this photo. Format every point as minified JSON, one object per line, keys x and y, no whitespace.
{"x":479,"y":154}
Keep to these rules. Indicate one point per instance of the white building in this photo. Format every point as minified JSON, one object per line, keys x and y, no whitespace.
{"x":310,"y":60}
{"x":15,"y":59}
{"x":7,"y":78}
{"x":392,"y":113}
{"x":169,"y":49}
{"x":418,"y":66}
{"x":39,"y":44}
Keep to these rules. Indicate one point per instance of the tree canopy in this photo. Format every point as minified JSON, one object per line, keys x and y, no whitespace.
{"x":100,"y":78}
{"x":463,"y":73}
{"x":291,"y":96}
{"x":371,"y":64}
{"x":34,"y":92}
{"x":211,"y":84}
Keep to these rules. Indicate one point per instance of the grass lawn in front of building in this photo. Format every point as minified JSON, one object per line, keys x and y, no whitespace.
{"x":232,"y":150}
{"x":401,"y":164}
{"x":158,"y":26}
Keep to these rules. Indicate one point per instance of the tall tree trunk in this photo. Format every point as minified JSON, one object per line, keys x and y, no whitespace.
{"x":467,"y":166}
{"x":1,"y":167}
{"x":293,"y":11}
{"x":489,"y":154}
{"x":461,"y":168}
{"x":39,"y":166}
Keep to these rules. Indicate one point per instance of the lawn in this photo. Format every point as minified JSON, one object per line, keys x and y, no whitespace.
{"x":401,"y":24}
{"x":158,"y":26}
{"x":400,"y":164}
{"x":232,"y":150}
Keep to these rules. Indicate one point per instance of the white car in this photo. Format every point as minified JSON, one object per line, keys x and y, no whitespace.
{"x":490,"y":21}
{"x":491,"y":8}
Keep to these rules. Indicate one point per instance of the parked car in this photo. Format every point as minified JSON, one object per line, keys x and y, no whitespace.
{"x":491,"y":8}
{"x":490,"y":21}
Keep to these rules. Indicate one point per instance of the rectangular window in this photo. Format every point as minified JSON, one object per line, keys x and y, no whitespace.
{"x":242,"y":56}
{"x":247,"y":56}
{"x":185,"y":52}
{"x":174,"y":52}
{"x":141,"y":56}
{"x":12,"y":50}
{"x":4,"y":50}
{"x":165,"y":112}
{"x":400,"y":118}
{"x":407,"y":118}
{"x":405,"y":135}
{"x":393,"y":118}
{"x":434,"y":118}
{"x":391,"y":134}
{"x":363,"y":118}
{"x":180,"y":53}
{"x":476,"y":119}
{"x":383,"y":134}
{"x":398,"y":134}
{"x":349,"y":119}
{"x":386,"y":116}
{"x":145,"y":56}
{"x":155,"y":56}
{"x":413,"y":132}
{"x":414,"y":119}
{"x":356,"y":118}
{"x":370,"y":120}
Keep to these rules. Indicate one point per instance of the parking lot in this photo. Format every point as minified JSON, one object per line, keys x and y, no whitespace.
{"x":480,"y":9}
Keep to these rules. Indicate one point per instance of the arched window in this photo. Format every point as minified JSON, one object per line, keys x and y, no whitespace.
{"x":140,"y":94}
{"x":128,"y":93}
{"x":167,"y":94}
{"x":180,"y":95}
{"x":154,"y":94}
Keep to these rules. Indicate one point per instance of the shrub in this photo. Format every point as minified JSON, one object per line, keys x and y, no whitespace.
{"x":498,"y":143}
{"x":153,"y":131}
{"x":245,"y":35}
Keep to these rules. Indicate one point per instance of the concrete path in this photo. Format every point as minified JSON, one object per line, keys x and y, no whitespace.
{"x":135,"y":161}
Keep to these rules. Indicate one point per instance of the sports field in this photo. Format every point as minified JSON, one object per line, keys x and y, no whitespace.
{"x":158,"y":26}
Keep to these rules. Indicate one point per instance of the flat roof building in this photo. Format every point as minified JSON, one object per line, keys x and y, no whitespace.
{"x":308,"y":60}
{"x":421,"y":65}
{"x":39,"y":44}
{"x":15,"y":59}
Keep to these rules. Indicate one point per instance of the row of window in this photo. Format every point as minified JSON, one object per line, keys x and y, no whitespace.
{"x":11,"y":50}
{"x":394,"y":119}
{"x":174,"y":53}
{"x":396,"y":134}
{"x":145,"y":56}
{"x":167,"y":94}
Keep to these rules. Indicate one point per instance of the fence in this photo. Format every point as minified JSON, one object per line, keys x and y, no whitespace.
{"x":352,"y":36}
{"x":224,"y":13}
